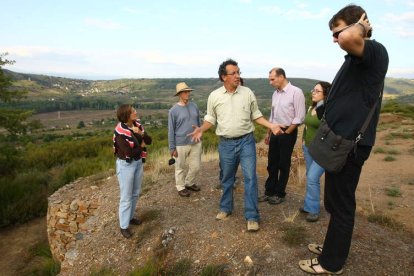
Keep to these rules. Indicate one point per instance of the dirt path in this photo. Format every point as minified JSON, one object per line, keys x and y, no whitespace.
{"x":15,"y":242}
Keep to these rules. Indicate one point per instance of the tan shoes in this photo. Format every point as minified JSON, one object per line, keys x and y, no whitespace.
{"x":222,"y":215}
{"x":252,"y":226}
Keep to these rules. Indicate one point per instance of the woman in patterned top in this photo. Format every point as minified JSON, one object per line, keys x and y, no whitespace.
{"x":129,"y":146}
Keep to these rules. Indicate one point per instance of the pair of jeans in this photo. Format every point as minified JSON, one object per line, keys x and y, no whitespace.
{"x":233,"y":152}
{"x":313,"y":184}
{"x":130,"y":177}
{"x":340,"y":202}
{"x":278,"y":163}
{"x":190,"y":154}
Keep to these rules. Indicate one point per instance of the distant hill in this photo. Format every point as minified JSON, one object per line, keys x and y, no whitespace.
{"x":145,"y":87}
{"x":155,"y":93}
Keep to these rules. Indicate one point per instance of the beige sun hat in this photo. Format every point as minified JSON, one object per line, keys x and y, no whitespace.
{"x":182,"y":86}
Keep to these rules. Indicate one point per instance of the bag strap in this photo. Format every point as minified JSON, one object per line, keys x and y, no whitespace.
{"x":369,"y":117}
{"x":370,"y":114}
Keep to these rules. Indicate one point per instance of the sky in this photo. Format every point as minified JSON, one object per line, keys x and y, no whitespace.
{"x":102,"y":39}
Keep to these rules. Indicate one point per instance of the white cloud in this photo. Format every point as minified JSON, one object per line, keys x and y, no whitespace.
{"x":400,"y":24}
{"x":406,"y":17}
{"x":21,"y":51}
{"x":102,"y":24}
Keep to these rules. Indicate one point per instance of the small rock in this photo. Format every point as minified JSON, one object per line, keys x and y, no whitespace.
{"x":248,"y":261}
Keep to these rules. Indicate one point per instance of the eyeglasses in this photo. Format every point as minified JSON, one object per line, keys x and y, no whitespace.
{"x":336,"y":34}
{"x":234,"y":73}
{"x":133,"y":110}
{"x":316,"y":91}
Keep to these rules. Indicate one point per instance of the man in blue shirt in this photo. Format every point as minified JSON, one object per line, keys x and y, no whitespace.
{"x":181,"y":119}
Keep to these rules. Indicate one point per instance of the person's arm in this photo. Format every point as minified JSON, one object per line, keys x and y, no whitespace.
{"x":125,"y":149}
{"x":300,"y":111}
{"x":171,"y":134}
{"x":352,"y":40}
{"x":274,"y":128}
{"x":198,"y":131}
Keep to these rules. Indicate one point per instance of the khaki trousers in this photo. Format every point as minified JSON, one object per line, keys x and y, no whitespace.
{"x":190,"y":154}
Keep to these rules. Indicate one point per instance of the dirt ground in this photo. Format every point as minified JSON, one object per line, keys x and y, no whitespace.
{"x":198,"y":237}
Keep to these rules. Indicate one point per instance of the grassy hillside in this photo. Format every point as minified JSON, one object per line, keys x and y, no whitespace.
{"x":47,"y":93}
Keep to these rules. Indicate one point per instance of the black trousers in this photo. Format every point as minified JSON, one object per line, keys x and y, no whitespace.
{"x":340,"y":203}
{"x":278,"y":163}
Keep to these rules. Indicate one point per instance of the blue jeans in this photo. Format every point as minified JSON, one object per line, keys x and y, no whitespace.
{"x":313,"y":184}
{"x":233,"y":152}
{"x":130,"y":179}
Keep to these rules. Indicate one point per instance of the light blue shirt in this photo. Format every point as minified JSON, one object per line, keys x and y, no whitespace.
{"x":181,"y":119}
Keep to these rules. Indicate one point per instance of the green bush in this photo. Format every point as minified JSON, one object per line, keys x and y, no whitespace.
{"x":389,"y":158}
{"x":45,"y":264}
{"x":384,"y":220}
{"x":398,"y":108}
{"x":10,"y":159}
{"x":59,"y":153}
{"x":23,"y":197}
{"x":393,"y":191}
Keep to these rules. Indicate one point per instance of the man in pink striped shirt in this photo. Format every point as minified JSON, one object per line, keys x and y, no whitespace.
{"x":288,"y":109}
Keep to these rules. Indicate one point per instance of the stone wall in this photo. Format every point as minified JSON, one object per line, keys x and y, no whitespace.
{"x":69,"y":215}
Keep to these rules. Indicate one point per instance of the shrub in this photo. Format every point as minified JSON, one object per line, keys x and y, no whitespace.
{"x":45,"y":265}
{"x":386,"y":221}
{"x":294,"y":235}
{"x":389,"y":158}
{"x":393,"y":192}
{"x":10,"y":159}
{"x":379,"y":150}
{"x":214,"y":270}
{"x":23,"y":197}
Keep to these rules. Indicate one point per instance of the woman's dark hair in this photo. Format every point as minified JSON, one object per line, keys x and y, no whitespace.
{"x":326,"y":86}
{"x":349,"y":14}
{"x":222,"y":69}
{"x":123,"y":113}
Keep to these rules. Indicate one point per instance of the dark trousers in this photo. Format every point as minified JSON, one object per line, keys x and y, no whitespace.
{"x":278,"y":163}
{"x":340,"y":203}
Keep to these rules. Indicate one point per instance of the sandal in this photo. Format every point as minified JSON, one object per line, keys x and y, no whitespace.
{"x":313,"y":267}
{"x":315,"y":248}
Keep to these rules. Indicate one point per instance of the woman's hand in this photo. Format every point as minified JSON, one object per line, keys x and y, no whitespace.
{"x":136,"y":130}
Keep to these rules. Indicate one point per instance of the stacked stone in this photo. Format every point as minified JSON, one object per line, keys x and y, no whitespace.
{"x":67,"y":216}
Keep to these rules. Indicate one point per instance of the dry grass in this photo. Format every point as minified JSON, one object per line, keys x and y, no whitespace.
{"x":386,"y":221}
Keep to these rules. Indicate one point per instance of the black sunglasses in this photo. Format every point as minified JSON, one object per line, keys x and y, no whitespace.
{"x":336,"y":34}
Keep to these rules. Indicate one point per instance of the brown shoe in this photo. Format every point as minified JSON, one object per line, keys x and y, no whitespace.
{"x":193,"y":188}
{"x":126,"y":233}
{"x":184,"y":193}
{"x":135,"y":221}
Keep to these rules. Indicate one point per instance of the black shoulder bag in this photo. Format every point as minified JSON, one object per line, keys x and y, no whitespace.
{"x":331,"y":151}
